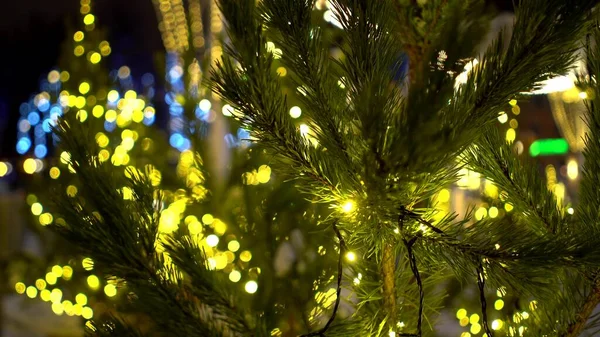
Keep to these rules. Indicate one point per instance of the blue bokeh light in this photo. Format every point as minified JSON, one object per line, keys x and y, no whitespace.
{"x":23,"y":145}
{"x":33,"y":118}
{"x":40,"y":151}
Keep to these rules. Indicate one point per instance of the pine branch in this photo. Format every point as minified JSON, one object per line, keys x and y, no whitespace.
{"x":120,"y":236}
{"x":578,"y":325}
{"x":111,"y":326}
{"x":338,"y":292}
{"x":495,"y":159}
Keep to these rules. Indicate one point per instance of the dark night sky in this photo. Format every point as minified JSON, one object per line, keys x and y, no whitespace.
{"x":31,"y":34}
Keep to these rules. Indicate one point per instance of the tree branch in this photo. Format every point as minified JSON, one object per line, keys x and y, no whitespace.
{"x":592,"y":300}
{"x":340,"y":275}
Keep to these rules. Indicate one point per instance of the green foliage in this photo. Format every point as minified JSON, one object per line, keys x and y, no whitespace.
{"x":375,"y":153}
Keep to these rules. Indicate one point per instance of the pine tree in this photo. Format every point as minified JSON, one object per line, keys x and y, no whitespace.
{"x":375,"y":151}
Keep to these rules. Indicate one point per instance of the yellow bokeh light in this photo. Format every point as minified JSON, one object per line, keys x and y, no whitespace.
{"x":499,"y":304}
{"x":475,"y":328}
{"x":67,"y":271}
{"x":219,"y":226}
{"x":169,"y":221}
{"x":29,"y":166}
{"x":56,"y":295}
{"x":264,"y":174}
{"x":31,"y":292}
{"x":514,"y":123}
{"x":195,"y":228}
{"x":57,"y":271}
{"x":481,"y":213}
{"x":295,"y":112}
{"x":233,"y":246}
{"x":3,"y":169}
{"x":281,"y":71}
{"x":508,"y":207}
{"x":110,"y":116}
{"x":245,"y":256}
{"x":84,"y":88}
{"x":45,"y":295}
{"x":110,"y":290}
{"x":51,"y":278}
{"x":20,"y":287}
{"x":251,"y":287}
{"x":87,"y":313}
{"x":89,"y":19}
{"x":57,"y":308}
{"x":78,"y":36}
{"x":68,"y":307}
{"x":443,"y":196}
{"x":493,"y":212}
{"x":93,"y":282}
{"x":102,"y":139}
{"x":516,"y":110}
{"x":64,"y":76}
{"x":130,"y":94}
{"x":511,"y":135}
{"x":98,"y":111}
{"x":464,"y":321}
{"x":95,"y":58}
{"x":72,"y":191}
{"x":208,"y":219}
{"x":113,"y":96}
{"x":40,"y":284}
{"x":474,"y":319}
{"x":235,"y":276}
{"x":81,"y":299}
{"x":54,"y":172}
{"x":87,"y":263}
{"x":212,"y":240}
{"x":80,"y":102}
{"x":82,"y":115}
{"x":348,"y":206}
{"x":572,"y":169}
{"x":502,"y":117}
{"x":461,"y":313}
{"x":497,"y":324}
{"x":79,"y":50}
{"x":351,"y":256}
{"x":46,"y":219}
{"x":37,"y":208}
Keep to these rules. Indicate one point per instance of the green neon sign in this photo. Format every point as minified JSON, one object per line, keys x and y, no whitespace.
{"x":549,"y":147}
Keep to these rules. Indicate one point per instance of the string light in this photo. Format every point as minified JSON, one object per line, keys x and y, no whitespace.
{"x":251,"y":287}
{"x":349,"y":206}
{"x":351,"y":256}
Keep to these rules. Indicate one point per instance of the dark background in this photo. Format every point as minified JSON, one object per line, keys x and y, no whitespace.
{"x":32,"y":32}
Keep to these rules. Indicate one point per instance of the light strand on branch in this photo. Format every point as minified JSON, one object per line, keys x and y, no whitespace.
{"x":481,"y":286}
{"x":342,"y":246}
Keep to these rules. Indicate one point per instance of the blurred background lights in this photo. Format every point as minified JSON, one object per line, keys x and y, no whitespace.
{"x":350,"y":256}
{"x":251,"y":287}
{"x":93,"y":282}
{"x":110,"y":290}
{"x":295,"y":112}
{"x":212,"y":240}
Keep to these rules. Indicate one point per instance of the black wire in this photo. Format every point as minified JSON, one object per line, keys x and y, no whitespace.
{"x":342,"y":243}
{"x":415,"y":270}
{"x":481,"y":285}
